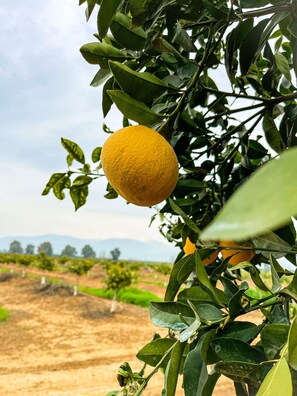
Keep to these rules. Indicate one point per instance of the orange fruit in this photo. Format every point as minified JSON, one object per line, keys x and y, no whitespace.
{"x":190,"y":247}
{"x":140,"y":165}
{"x":239,"y":255}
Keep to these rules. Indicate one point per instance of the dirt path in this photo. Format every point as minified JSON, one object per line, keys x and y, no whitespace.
{"x":65,"y":345}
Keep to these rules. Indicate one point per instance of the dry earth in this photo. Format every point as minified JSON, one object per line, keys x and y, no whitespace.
{"x":56,"y":344}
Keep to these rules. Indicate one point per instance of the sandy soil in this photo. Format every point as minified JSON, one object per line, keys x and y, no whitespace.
{"x":56,"y":344}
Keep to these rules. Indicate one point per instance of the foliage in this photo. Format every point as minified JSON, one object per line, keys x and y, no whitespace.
{"x":87,"y":251}
{"x":131,"y":295}
{"x":4,"y":314}
{"x":118,"y":276}
{"x":69,"y":251}
{"x":80,"y":267}
{"x":45,"y":262}
{"x":115,"y":253}
{"x":163,"y":268}
{"x":45,"y":248}
{"x":217,"y":79}
{"x":29,"y":249}
{"x":16,"y":247}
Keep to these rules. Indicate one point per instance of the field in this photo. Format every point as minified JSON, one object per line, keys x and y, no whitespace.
{"x":60,"y":344}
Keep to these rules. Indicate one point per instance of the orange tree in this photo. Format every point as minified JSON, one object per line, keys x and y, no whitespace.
{"x":217,"y":80}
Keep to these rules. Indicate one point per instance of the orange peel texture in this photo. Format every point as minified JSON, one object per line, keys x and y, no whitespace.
{"x":239,"y":255}
{"x":140,"y":165}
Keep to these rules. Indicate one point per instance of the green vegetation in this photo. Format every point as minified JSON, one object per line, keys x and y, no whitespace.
{"x":130,"y":295}
{"x":4,"y":314}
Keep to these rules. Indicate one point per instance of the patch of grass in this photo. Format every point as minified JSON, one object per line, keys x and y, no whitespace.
{"x":4,"y":314}
{"x":130,"y":295}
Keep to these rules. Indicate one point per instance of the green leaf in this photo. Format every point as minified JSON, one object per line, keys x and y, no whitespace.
{"x":100,"y":77}
{"x":233,"y":42}
{"x":60,"y":186}
{"x":235,"y":302}
{"x":173,"y":368}
{"x":174,"y":284}
{"x":91,"y":6}
{"x":96,"y":154}
{"x":241,"y":219}
{"x":273,"y":337}
{"x":207,"y":312}
{"x":106,"y":99}
{"x":107,"y":10}
{"x":283,"y":65}
{"x":81,"y":181}
{"x":54,"y":179}
{"x":194,"y":293}
{"x":230,"y":349}
{"x":74,"y":150}
{"x":250,"y":46}
{"x":79,"y":195}
{"x":97,"y":53}
{"x":134,"y":110}
{"x":273,"y":242}
{"x":144,"y":86}
{"x":189,"y":222}
{"x":111,"y":192}
{"x":195,"y":371}
{"x":124,"y":33}
{"x":292,"y":345}
{"x":241,"y":370}
{"x":243,"y":331}
{"x":278,"y":381}
{"x":272,"y":133}
{"x":205,"y":282}
{"x":170,"y":314}
{"x":153,"y":352}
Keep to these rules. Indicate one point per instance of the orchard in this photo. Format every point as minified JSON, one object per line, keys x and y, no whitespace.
{"x":207,"y":94}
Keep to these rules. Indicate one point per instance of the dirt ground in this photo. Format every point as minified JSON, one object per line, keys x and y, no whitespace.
{"x":58,"y":344}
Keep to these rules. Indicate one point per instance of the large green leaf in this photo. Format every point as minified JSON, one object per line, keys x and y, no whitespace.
{"x":241,"y":370}
{"x":108,"y":8}
{"x":230,"y":349}
{"x":100,"y":53}
{"x":205,"y":282}
{"x":264,"y":203}
{"x":195,"y":371}
{"x":272,"y":133}
{"x":171,"y":315}
{"x":134,"y":110}
{"x":175,"y":282}
{"x":173,"y":369}
{"x":243,"y":331}
{"x":124,"y":33}
{"x":273,"y":338}
{"x":140,"y":86}
{"x":278,"y":381}
{"x":153,"y":352}
{"x":292,"y":345}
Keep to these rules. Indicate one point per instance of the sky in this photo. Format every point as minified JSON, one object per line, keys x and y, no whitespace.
{"x":45,"y":95}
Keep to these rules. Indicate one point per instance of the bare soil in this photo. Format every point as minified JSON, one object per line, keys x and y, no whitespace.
{"x":58,"y":344}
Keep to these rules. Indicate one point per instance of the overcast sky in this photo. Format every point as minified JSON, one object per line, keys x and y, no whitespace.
{"x":45,"y":95}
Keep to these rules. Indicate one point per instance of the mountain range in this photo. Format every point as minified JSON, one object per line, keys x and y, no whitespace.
{"x":131,"y":249}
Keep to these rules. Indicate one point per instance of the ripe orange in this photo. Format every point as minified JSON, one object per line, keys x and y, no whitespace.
{"x":190,"y":247}
{"x":140,"y":165}
{"x":239,"y":255}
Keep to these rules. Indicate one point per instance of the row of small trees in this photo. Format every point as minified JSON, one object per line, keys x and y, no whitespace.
{"x":46,"y":248}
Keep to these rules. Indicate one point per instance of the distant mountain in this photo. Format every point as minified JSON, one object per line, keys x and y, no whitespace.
{"x":130,"y":249}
